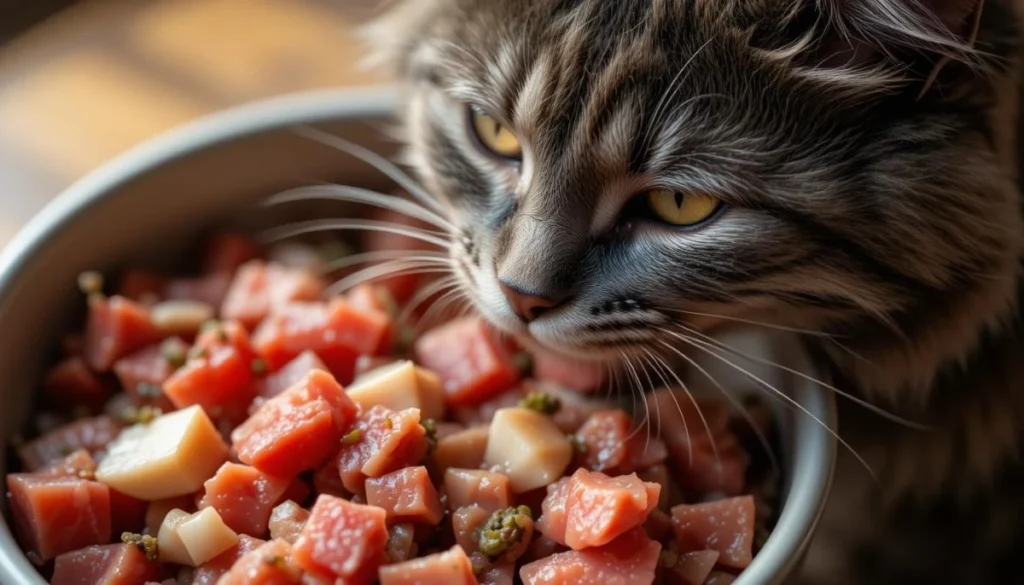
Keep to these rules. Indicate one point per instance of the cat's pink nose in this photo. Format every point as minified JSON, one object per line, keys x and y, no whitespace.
{"x":528,"y":306}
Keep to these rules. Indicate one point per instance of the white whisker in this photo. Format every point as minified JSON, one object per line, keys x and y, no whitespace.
{"x":359,"y":195}
{"x":392,"y":268}
{"x":322,"y":225}
{"x":365,"y":257}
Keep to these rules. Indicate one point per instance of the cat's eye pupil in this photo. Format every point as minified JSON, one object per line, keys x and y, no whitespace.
{"x":493,"y":136}
{"x":679,"y":199}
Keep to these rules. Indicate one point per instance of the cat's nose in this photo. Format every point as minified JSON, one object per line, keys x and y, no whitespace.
{"x":527,"y":305}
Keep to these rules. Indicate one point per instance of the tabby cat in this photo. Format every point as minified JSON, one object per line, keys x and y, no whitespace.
{"x":623,"y":175}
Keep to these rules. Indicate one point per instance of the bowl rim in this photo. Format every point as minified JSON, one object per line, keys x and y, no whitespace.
{"x":814,"y":448}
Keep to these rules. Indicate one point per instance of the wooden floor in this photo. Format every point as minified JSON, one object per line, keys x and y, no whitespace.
{"x":108,"y":74}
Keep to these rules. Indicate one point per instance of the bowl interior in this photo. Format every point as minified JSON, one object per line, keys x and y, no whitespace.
{"x":150,"y":207}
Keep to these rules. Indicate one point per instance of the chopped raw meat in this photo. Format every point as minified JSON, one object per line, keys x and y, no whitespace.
{"x":270,"y":564}
{"x":289,"y":375}
{"x":630,"y":559}
{"x":143,"y":373}
{"x":142,"y":287}
{"x":298,"y":429}
{"x":691,"y":568}
{"x":342,"y":540}
{"x":406,"y":495}
{"x":491,"y":491}
{"x":606,"y":436}
{"x":170,"y":456}
{"x":287,"y":520}
{"x":401,"y":544}
{"x":336,"y":332}
{"x":726,"y":526}
{"x":78,"y":464}
{"x":297,"y":491}
{"x":591,"y":509}
{"x":205,"y":536}
{"x":464,"y":449}
{"x":226,"y":252}
{"x":528,"y":447}
{"x":448,"y":568}
{"x":467,"y":522}
{"x":157,"y":510}
{"x":583,"y":377}
{"x":369,"y":297}
{"x":258,"y":288}
{"x":116,"y":327}
{"x":244,"y":497}
{"x":500,"y":574}
{"x":720,"y":578}
{"x":180,"y":317}
{"x":210,"y":289}
{"x":380,"y":442}
{"x":53,"y":515}
{"x":218,"y":374}
{"x":210,"y":572}
{"x":402,"y":286}
{"x":71,"y":383}
{"x":91,"y":434}
{"x":127,"y":514}
{"x":111,"y":564}
{"x":471,"y":362}
{"x":483,"y":412}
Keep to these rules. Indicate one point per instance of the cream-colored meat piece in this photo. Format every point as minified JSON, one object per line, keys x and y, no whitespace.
{"x":399,"y":386}
{"x":168,"y":542}
{"x":171,"y":456}
{"x":180,"y":317}
{"x":205,"y":535}
{"x":528,"y":447}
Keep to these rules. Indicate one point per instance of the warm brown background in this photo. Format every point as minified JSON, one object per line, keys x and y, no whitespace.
{"x":104,"y":75}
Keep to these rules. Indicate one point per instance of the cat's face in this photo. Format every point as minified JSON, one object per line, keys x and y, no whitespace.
{"x":619,"y":171}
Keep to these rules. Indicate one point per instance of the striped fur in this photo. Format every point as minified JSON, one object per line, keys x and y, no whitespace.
{"x":867,"y":151}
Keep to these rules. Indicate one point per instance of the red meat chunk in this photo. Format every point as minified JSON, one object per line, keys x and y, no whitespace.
{"x":606,"y":435}
{"x":78,"y":464}
{"x":91,"y":434}
{"x":244,"y":497}
{"x":273,"y":563}
{"x":115,"y":328}
{"x":212,"y":570}
{"x":471,"y":362}
{"x":583,"y":377}
{"x":111,"y":564}
{"x":54,"y":515}
{"x":630,"y":559}
{"x":336,"y":332}
{"x":209,"y":289}
{"x":289,"y":375}
{"x":451,"y":567}
{"x":725,"y":526}
{"x":71,"y":383}
{"x":489,"y":490}
{"x":226,"y":252}
{"x":221,"y":381}
{"x":380,"y":442}
{"x":690,"y":568}
{"x":141,"y":287}
{"x":258,"y":288}
{"x":342,"y":540}
{"x":287,"y":520}
{"x":127,"y":514}
{"x":143,"y":373}
{"x":591,"y":509}
{"x":298,"y":429}
{"x":406,"y":495}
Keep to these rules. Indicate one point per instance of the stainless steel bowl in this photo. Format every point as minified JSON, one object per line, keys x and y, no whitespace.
{"x":150,"y":204}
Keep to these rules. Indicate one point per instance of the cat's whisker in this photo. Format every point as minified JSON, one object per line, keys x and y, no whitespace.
{"x":389,"y":169}
{"x":763,"y":440}
{"x":752,"y":322}
{"x":273,"y":235}
{"x":436,"y":310}
{"x":856,"y":400}
{"x":391,"y":268}
{"x":424,"y":294}
{"x":673,"y":89}
{"x":377,"y":256}
{"x":638,"y":389}
{"x":781,"y":395}
{"x":700,"y":414}
{"x":351,"y":194}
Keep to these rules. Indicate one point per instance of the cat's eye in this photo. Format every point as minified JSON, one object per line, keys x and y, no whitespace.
{"x":681,"y":209}
{"x":495,"y":136}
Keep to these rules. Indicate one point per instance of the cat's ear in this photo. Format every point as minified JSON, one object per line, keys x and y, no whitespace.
{"x":393,"y":35}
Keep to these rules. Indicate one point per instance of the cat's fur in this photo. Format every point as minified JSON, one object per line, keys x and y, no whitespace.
{"x":868,"y":199}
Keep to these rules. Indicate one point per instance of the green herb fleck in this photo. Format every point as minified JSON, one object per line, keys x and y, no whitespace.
{"x":259,"y":367}
{"x":141,"y":415}
{"x":352,"y":438}
{"x":148,"y":390}
{"x":173,"y":353}
{"x":430,"y":426}
{"x":214,"y":326}
{"x":504,"y":530}
{"x":145,"y":542}
{"x":524,"y":363}
{"x":389,"y":424}
{"x":541,"y":402}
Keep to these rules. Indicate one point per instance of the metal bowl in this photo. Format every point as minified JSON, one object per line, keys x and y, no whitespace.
{"x":152,"y":203}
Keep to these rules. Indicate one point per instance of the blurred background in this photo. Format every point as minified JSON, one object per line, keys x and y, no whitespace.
{"x":82,"y":81}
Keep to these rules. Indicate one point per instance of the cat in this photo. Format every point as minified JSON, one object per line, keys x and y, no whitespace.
{"x":622,"y":175}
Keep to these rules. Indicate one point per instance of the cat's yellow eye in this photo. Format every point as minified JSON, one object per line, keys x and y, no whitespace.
{"x":495,"y":136}
{"x":681,"y":209}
